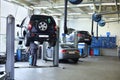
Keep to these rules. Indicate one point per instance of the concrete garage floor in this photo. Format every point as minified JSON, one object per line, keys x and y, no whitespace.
{"x":90,"y":68}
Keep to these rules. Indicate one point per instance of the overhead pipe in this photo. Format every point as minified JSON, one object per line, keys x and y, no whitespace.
{"x":97,"y":31}
{"x":92,"y":33}
{"x":65,"y":17}
{"x":105,"y":13}
{"x":112,"y":21}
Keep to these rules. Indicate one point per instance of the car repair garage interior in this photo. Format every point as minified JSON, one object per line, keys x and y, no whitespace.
{"x":59,"y":39}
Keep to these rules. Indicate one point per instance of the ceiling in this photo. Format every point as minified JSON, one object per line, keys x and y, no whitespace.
{"x":110,"y":9}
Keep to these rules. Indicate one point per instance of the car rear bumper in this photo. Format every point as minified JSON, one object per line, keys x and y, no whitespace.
{"x":71,"y":56}
{"x":38,"y":37}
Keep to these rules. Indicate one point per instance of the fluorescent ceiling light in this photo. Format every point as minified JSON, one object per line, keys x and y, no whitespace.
{"x":90,"y":13}
{"x":58,"y":6}
{"x":56,"y":14}
{"x":39,"y":7}
{"x":110,"y":4}
{"x":74,"y":13}
{"x":112,"y":18}
{"x":44,"y":14}
{"x":10,"y":0}
{"x":82,"y":5}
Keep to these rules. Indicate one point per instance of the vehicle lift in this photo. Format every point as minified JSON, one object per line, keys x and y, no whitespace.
{"x":85,"y":47}
{"x":85,"y":50}
{"x":9,"y":66}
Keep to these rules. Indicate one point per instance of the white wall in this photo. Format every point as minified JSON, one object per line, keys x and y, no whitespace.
{"x":80,"y":24}
{"x":6,"y":9}
{"x":113,"y":28}
{"x":11,"y":9}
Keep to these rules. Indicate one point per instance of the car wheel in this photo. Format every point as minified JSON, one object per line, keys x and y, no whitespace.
{"x":88,"y":43}
{"x":41,"y":42}
{"x":63,"y":60}
{"x":24,"y":33}
{"x":27,"y":41}
{"x":52,"y":43}
{"x":20,"y":42}
{"x":42,"y":26}
{"x":75,"y":60}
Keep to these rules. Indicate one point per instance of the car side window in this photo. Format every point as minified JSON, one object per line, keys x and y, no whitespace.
{"x":26,"y":22}
{"x":67,"y":46}
{"x":22,"y":22}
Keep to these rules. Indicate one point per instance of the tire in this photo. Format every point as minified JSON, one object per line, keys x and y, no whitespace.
{"x":42,"y":26}
{"x":52,"y":43}
{"x":88,"y":43}
{"x":41,"y":42}
{"x":20,"y":42}
{"x":75,"y":60}
{"x":27,"y":41}
{"x":24,"y":33}
{"x":63,"y":61}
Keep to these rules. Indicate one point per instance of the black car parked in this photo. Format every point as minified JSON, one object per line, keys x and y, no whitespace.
{"x":83,"y":36}
{"x":38,"y":28}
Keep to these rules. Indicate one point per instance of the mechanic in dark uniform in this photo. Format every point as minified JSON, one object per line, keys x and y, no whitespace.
{"x":33,"y":51}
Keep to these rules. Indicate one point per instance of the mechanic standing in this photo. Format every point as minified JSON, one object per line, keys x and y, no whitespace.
{"x":33,"y":51}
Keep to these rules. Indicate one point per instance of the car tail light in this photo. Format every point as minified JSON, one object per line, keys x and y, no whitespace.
{"x":79,"y":35}
{"x":77,"y":51}
{"x":55,"y":28}
{"x":63,"y":51}
{"x":29,"y":26}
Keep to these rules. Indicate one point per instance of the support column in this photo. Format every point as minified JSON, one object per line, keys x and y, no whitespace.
{"x":0,"y":15}
{"x":9,"y":67}
{"x":43,"y":51}
{"x":56,"y":52}
{"x":75,"y":40}
{"x":85,"y":50}
{"x":0,"y":23}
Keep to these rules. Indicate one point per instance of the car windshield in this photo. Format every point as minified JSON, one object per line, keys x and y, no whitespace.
{"x":83,"y":32}
{"x":67,"y":46}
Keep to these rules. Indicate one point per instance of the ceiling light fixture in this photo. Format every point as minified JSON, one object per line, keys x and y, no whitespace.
{"x":74,"y":13}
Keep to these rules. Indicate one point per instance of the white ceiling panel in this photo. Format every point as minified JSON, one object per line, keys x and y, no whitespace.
{"x":85,"y":9}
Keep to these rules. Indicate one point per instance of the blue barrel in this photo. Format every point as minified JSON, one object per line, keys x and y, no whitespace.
{"x":81,"y":46}
{"x":19,"y":55}
{"x":96,"y":52}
